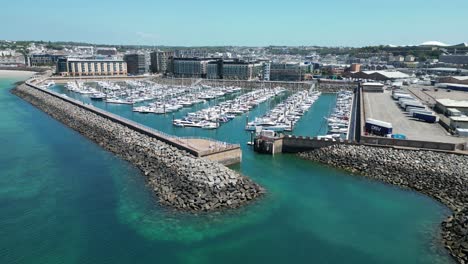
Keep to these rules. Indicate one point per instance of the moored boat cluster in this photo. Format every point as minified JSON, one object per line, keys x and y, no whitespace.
{"x":338,"y":121}
{"x":164,"y":98}
{"x":286,"y":114}
{"x":212,"y":117}
{"x":188,"y":98}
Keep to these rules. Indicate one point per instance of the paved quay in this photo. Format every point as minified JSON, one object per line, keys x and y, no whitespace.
{"x":381,"y":106}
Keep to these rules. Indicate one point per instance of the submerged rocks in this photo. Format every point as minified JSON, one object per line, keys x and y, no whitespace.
{"x":179,"y":179}
{"x":442,"y":176}
{"x":455,"y":234}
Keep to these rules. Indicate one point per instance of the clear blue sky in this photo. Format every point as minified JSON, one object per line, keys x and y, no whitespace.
{"x":237,"y":22}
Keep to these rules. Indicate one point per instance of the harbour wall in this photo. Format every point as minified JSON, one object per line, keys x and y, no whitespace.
{"x":323,"y":86}
{"x":326,"y":86}
{"x":179,"y":179}
{"x":334,"y":86}
{"x":408,"y":143}
{"x":294,"y":86}
{"x":115,"y":78}
{"x":294,"y":144}
{"x":439,"y":175}
{"x":226,"y":157}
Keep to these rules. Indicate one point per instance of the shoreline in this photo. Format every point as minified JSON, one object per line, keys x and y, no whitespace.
{"x":440,"y":176}
{"x":179,"y":179}
{"x":16,"y":74}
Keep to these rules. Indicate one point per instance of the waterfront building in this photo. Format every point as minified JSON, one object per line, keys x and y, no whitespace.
{"x":91,"y":67}
{"x":234,"y":69}
{"x":34,"y":60}
{"x":241,"y":70}
{"x":289,"y":71}
{"x":136,"y":63}
{"x":266,"y":67}
{"x":454,"y":59}
{"x":213,"y":70}
{"x":190,"y":67}
{"x":160,"y":61}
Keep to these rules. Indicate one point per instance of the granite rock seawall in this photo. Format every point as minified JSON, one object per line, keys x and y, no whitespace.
{"x":179,"y":179}
{"x":442,"y":176}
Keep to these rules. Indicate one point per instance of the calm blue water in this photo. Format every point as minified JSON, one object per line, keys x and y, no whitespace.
{"x":65,"y":200}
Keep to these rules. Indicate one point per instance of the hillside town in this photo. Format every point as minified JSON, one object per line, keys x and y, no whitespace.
{"x":427,"y":62}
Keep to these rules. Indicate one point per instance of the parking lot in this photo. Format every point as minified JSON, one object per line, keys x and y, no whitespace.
{"x":381,"y":106}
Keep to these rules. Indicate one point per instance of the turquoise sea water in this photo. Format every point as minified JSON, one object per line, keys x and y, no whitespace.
{"x":65,"y":200}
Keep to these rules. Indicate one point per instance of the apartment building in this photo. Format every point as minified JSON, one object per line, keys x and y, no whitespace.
{"x":91,"y":67}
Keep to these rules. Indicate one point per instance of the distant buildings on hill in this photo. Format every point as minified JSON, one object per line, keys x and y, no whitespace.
{"x":239,"y":63}
{"x":11,"y":57}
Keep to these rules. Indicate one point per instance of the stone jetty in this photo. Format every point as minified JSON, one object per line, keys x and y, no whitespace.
{"x":440,"y":175}
{"x":179,"y":179}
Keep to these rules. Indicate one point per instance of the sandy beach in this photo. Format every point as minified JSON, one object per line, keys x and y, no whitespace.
{"x":11,"y":73}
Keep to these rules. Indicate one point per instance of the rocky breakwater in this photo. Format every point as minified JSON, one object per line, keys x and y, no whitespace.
{"x":179,"y":179}
{"x":442,"y":176}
